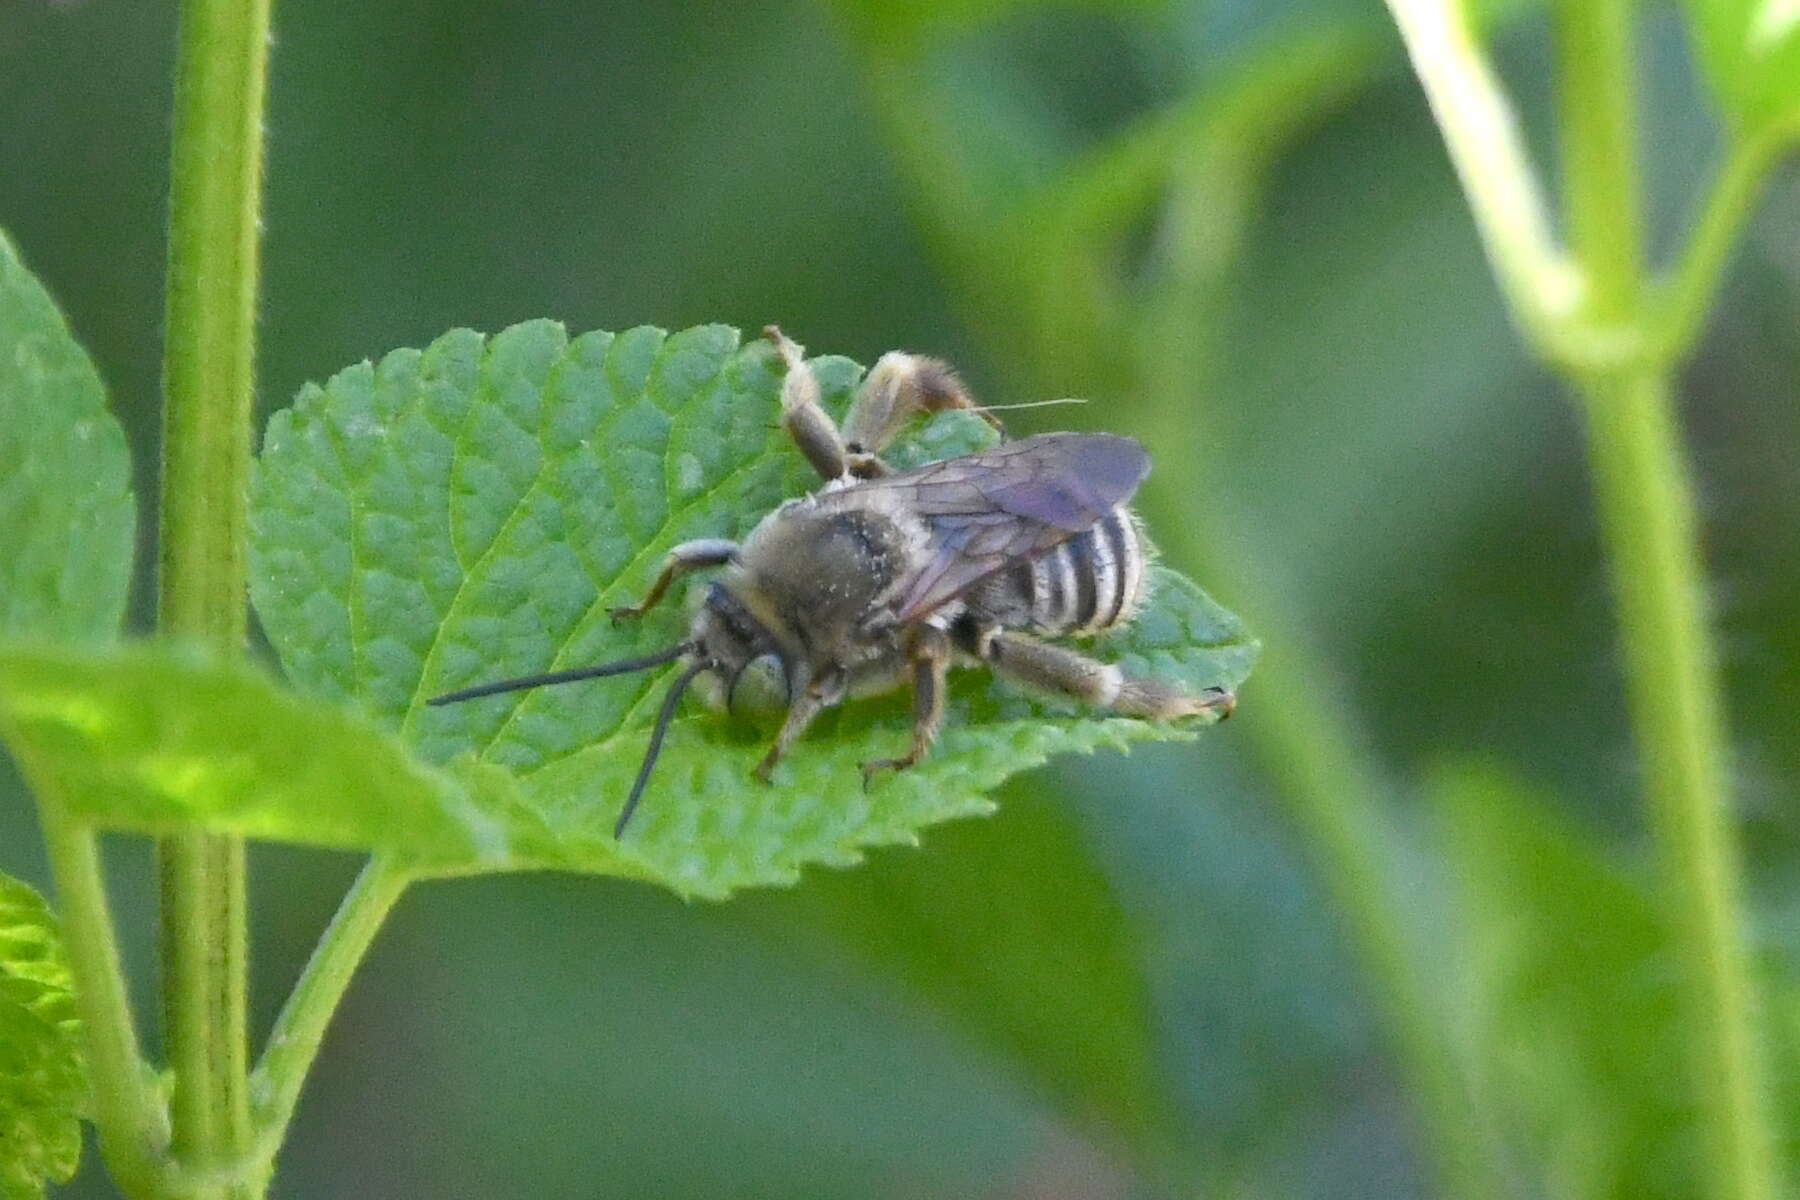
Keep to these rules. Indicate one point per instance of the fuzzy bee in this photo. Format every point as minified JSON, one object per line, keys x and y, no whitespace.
{"x":881,"y":577}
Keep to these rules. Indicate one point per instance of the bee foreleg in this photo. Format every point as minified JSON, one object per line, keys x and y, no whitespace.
{"x":1103,"y":685}
{"x":804,"y":419}
{"x":688,"y":556}
{"x":930,"y":664}
{"x":800,"y":714}
{"x":898,"y":388}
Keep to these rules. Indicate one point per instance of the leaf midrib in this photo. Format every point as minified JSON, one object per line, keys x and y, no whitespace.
{"x":656,"y":546}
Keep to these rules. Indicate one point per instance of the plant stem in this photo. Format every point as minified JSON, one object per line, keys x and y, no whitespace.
{"x":1645,"y":500}
{"x":1599,"y":151}
{"x":204,"y":961}
{"x":1541,"y":288}
{"x":209,"y":386}
{"x":1694,"y":284}
{"x":1332,"y":790}
{"x":300,"y":1028}
{"x":1643,"y":494}
{"x":1323,"y":770}
{"x":133,"y":1126}
{"x":1646,"y":506}
{"x":210,"y":349}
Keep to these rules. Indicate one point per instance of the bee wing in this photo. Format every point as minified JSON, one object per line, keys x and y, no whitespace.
{"x":986,"y":511}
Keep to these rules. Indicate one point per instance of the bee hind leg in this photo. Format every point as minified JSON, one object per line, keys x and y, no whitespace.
{"x":898,"y":388}
{"x":1103,"y":685}
{"x":930,"y":663}
{"x":802,"y":417}
{"x":688,"y":556}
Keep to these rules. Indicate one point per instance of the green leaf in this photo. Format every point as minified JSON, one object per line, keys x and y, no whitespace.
{"x":1011,"y":926}
{"x":471,"y":511}
{"x":901,"y":27}
{"x":42,"y":1087}
{"x":1574,"y":1003}
{"x":1750,"y":53}
{"x":145,"y":737}
{"x":67,"y":514}
{"x":1573,"y":995}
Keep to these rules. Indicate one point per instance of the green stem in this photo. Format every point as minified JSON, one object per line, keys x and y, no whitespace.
{"x":209,"y":369}
{"x":1488,"y":152}
{"x":1643,"y":493}
{"x":1599,"y":151}
{"x":1694,"y":284}
{"x":209,"y":386}
{"x":1310,"y":745}
{"x":204,"y":962}
{"x":300,"y":1028}
{"x":1333,"y":792}
{"x":1321,"y":768}
{"x":1646,"y":502}
{"x":1646,"y":506}
{"x":133,"y":1126}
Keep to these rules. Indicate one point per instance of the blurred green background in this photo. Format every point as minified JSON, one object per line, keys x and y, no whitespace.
{"x":1229,"y":222}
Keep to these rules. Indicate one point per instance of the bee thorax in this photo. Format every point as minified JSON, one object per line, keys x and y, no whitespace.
{"x":814,"y":572}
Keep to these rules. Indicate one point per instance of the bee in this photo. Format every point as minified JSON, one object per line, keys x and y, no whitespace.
{"x":882,"y":578}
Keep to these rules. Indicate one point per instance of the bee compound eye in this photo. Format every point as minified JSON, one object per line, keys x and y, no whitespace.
{"x":761,"y":687}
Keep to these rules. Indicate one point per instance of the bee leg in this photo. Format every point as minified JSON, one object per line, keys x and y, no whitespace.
{"x":799,"y":715}
{"x":801,"y":414}
{"x":930,"y":663}
{"x":688,"y":556}
{"x":1103,"y":685}
{"x":899,"y":387}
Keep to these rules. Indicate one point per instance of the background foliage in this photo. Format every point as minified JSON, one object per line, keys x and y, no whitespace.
{"x":1131,"y":974}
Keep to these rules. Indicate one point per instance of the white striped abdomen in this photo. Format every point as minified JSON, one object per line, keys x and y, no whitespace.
{"x":1089,"y":583}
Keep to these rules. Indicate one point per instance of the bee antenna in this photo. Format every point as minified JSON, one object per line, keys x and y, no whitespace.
{"x":623,"y":666}
{"x":1029,"y":404}
{"x":656,"y":740}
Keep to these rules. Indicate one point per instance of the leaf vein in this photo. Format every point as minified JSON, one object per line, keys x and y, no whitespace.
{"x":514,"y":514}
{"x":673,"y":516}
{"x":352,"y":602}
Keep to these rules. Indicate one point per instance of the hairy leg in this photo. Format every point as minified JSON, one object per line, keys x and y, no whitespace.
{"x":800,"y":714}
{"x":898,"y":388}
{"x":1060,"y":669}
{"x":930,"y":664}
{"x":688,"y":556}
{"x":802,"y":417}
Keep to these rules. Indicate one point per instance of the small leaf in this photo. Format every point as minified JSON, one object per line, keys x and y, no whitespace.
{"x":42,"y":1087}
{"x":67,"y":514}
{"x":471,"y":512}
{"x":1572,"y":990}
{"x":1574,"y":995}
{"x":1750,"y":53}
{"x":147,"y":738}
{"x":1009,"y":927}
{"x":897,"y":27}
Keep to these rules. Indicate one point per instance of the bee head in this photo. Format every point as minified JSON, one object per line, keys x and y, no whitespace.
{"x":725,"y":642}
{"x":751,"y":671}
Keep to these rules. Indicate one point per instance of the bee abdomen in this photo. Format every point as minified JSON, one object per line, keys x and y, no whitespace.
{"x":1084,"y":585}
